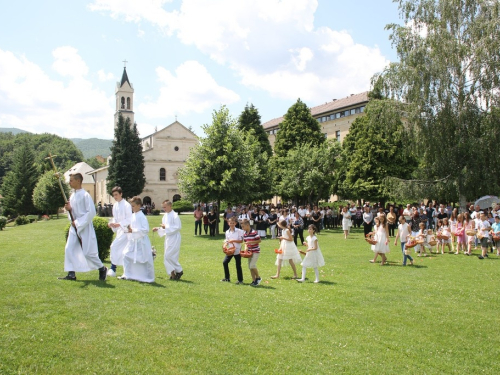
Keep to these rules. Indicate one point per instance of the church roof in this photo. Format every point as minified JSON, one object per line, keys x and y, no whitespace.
{"x":82,"y":168}
{"x":125,"y":78}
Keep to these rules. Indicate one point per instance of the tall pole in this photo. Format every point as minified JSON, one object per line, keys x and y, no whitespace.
{"x":58,"y":176}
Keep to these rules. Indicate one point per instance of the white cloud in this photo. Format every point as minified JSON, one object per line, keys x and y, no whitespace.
{"x":104,"y":77}
{"x":190,"y":89}
{"x":271,"y":45}
{"x":33,"y":101}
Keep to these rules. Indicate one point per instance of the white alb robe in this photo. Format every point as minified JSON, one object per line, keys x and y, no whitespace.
{"x":172,"y":233}
{"x":138,"y":257}
{"x":122,"y":214}
{"x":85,"y":257}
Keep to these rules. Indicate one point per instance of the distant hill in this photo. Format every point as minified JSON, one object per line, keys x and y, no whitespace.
{"x":13,"y":130}
{"x":93,"y":146}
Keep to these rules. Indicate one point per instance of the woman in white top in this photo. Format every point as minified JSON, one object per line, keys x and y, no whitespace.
{"x":346,"y":221}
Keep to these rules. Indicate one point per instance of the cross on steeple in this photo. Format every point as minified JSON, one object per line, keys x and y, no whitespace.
{"x":124,"y":63}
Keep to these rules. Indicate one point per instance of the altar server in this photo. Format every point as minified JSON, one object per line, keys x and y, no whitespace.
{"x":122,"y":213}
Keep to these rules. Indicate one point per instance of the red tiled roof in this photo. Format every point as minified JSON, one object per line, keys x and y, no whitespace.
{"x":327,"y":107}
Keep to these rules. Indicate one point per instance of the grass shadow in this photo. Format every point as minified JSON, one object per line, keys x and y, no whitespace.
{"x":326,"y":282}
{"x":97,"y":283}
{"x":183,"y":281}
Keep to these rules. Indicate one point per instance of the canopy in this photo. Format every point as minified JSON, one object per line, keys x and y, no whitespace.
{"x":487,"y":201}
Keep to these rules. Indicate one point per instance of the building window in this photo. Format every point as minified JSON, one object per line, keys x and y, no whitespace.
{"x":123,"y":103}
{"x":162,"y":174}
{"x":319,"y":119}
{"x":128,"y":103}
{"x":353,"y":111}
{"x":332,"y":117}
{"x":337,"y":115}
{"x":342,"y":114}
{"x":337,"y":135}
{"x":362,"y":109}
{"x":347,"y":113}
{"x":325,"y":119}
{"x":176,"y":148}
{"x":326,"y":135}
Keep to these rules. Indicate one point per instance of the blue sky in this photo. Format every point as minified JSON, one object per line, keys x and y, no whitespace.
{"x":60,"y":60}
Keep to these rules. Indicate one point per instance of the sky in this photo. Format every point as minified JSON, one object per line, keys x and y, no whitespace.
{"x":60,"y":60}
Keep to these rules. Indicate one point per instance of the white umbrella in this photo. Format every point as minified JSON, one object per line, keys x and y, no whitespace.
{"x":487,"y":201}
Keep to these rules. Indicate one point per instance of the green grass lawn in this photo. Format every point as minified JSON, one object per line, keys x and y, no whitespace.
{"x":438,"y":317}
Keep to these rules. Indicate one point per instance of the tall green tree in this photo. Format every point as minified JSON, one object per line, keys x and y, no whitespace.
{"x":126,"y":167}
{"x":47,"y":195}
{"x":19,"y":183}
{"x":249,"y":121}
{"x":298,"y":127}
{"x":307,"y":173}
{"x":449,"y":75}
{"x":222,"y":166}
{"x":374,"y":149}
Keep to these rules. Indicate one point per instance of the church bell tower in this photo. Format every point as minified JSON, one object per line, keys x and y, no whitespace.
{"x":124,"y":93}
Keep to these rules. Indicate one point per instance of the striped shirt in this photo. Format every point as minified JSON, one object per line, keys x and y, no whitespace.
{"x":252,"y":236}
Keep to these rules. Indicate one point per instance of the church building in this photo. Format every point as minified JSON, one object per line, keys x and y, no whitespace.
{"x":165,"y":151}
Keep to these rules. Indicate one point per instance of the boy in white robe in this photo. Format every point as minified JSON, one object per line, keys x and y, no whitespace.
{"x":84,"y":256}
{"x":122,"y":213}
{"x":171,"y":229}
{"x":138,"y":258}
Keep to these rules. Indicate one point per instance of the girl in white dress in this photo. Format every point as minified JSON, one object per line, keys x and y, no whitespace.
{"x":381,"y":232}
{"x":314,"y":258}
{"x":288,"y":250}
{"x":346,"y":221}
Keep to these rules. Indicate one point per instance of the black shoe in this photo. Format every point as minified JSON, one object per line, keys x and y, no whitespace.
{"x":258,"y":280}
{"x":254,"y":283}
{"x":486,"y":255}
{"x":103,"y":273}
{"x":178,"y":275}
{"x":239,"y":282}
{"x":226,"y":280}
{"x":67,"y":277}
{"x":480,"y":257}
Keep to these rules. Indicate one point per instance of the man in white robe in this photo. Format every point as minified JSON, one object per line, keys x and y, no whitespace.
{"x":138,"y":258}
{"x":82,"y":257}
{"x":171,"y":229}
{"x":122,"y":213}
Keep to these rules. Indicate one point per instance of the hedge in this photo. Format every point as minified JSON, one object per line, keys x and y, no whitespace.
{"x":103,"y":233}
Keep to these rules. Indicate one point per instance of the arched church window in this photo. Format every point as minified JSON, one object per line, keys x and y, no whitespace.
{"x":162,"y":174}
{"x":128,"y":103}
{"x":123,"y":103}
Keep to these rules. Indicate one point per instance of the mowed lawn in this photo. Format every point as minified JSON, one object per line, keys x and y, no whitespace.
{"x":438,"y":317}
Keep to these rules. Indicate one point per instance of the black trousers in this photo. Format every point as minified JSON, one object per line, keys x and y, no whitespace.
{"x":212,"y":229}
{"x":225,"y":263}
{"x":367,"y":228}
{"x":392,"y":228}
{"x":205,"y":228}
{"x":197,"y":223}
{"x":300,"y":233}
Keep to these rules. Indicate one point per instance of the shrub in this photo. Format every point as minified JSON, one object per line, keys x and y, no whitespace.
{"x":22,"y":220}
{"x":103,"y":234}
{"x":3,"y":222}
{"x":182,"y":206}
{"x":155,"y":212}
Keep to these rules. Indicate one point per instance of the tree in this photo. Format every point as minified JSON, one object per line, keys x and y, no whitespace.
{"x":95,"y":163}
{"x":248,"y":121}
{"x":298,"y":127}
{"x":222,"y":166}
{"x":126,"y":167}
{"x":19,"y":183}
{"x":307,"y":173}
{"x":449,"y":77}
{"x":47,"y":195}
{"x":373,"y":149}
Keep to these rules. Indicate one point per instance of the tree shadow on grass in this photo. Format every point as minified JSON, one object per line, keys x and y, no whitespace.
{"x":97,"y":283}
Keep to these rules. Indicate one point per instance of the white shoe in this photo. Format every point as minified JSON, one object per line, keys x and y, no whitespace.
{"x":300,"y":280}
{"x":111,"y":273}
{"x":122,"y":278}
{"x":316,"y":281}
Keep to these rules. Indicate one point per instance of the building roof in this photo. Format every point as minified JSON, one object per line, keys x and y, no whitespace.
{"x":125,"y":78}
{"x":327,"y":107}
{"x":175,"y":122}
{"x":82,"y":168}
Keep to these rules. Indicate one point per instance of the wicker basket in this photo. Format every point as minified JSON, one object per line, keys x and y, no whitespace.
{"x":470,"y":232}
{"x":410,"y":244}
{"x":496,"y":238}
{"x":246,"y":254}
{"x":443,"y":237}
{"x":370,"y":238}
{"x":228,"y":248}
{"x":432,"y":242}
{"x":278,"y":251}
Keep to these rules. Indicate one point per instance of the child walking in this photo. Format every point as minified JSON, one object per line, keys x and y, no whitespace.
{"x":446,"y":232}
{"x":288,"y":250}
{"x":314,"y":257}
{"x":382,"y":237}
{"x":402,"y":234}
{"x":460,"y":234}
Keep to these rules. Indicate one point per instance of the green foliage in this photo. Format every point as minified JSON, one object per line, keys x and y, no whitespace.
{"x":449,"y":75}
{"x":249,"y":122}
{"x":103,"y":233}
{"x":181,"y":206}
{"x":67,"y":154}
{"x":298,"y":127}
{"x":374,"y":149}
{"x":155,"y":212}
{"x":222,"y":167}
{"x":126,"y":168}
{"x":93,"y":147}
{"x":3,"y":222}
{"x":19,"y":183}
{"x":47,"y":195}
{"x":22,"y":220}
{"x":95,"y":163}
{"x":306,"y":173}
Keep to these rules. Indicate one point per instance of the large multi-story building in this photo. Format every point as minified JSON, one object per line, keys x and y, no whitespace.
{"x":335,"y":117}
